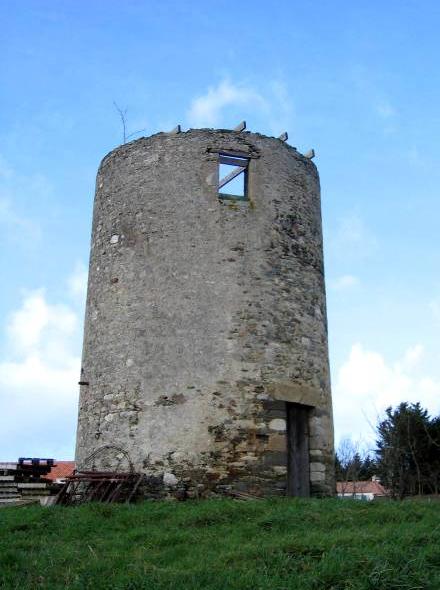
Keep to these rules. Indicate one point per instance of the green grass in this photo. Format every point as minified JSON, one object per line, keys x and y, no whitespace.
{"x":223,"y":544}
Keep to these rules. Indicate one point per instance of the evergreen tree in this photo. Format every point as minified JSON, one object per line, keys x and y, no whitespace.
{"x":351,"y":464}
{"x":368,"y":468}
{"x":408,"y":450}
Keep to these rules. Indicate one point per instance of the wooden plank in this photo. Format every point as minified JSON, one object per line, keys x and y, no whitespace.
{"x":233,"y":153}
{"x":4,"y":466}
{"x":298,"y":483}
{"x":233,"y":161}
{"x":230,"y":176}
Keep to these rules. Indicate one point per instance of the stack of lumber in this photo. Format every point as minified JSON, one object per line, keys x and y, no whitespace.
{"x":24,"y":482}
{"x":33,"y":491}
{"x":8,"y":486}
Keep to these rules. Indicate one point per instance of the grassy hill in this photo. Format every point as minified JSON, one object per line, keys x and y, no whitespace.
{"x":223,"y":544}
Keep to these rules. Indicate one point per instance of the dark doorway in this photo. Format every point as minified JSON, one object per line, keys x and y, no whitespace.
{"x":298,"y":467}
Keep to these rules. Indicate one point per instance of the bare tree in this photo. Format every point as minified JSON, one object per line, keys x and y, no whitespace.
{"x":123,"y":116}
{"x":350,"y":462}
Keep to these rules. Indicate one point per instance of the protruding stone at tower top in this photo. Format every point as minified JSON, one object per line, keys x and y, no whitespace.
{"x":205,"y":349}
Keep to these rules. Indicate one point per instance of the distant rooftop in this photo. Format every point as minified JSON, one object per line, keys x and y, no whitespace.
{"x":361,"y":487}
{"x":60,"y":470}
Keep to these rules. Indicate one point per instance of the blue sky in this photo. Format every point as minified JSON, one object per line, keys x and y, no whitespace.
{"x":358,"y":82}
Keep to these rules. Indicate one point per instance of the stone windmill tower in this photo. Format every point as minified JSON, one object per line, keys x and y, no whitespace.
{"x":205,"y":349}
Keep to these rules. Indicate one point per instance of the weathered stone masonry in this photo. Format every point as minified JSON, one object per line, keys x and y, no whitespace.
{"x":206,"y":317}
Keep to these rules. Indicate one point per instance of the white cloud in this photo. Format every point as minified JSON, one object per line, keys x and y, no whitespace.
{"x":36,"y":318}
{"x":77,"y":282}
{"x":229,"y":102}
{"x":352,"y":239}
{"x":412,"y":357}
{"x":38,"y":378}
{"x":388,"y":114}
{"x":375,"y":97}
{"x":16,"y":225}
{"x":366,"y":384}
{"x":281,"y":111}
{"x":33,"y":375}
{"x":344,"y":282}
{"x":419,"y":157}
{"x":434,"y":306}
{"x":206,"y":110}
{"x":384,"y":109}
{"x":352,"y":229}
{"x":17,"y":192}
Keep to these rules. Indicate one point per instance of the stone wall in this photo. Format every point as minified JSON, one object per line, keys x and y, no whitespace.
{"x":205,"y":316}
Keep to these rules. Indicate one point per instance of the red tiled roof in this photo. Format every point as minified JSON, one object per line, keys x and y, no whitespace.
{"x":60,"y":469}
{"x":361,"y":487}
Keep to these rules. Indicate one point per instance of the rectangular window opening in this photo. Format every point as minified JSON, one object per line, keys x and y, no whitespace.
{"x":233,"y":177}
